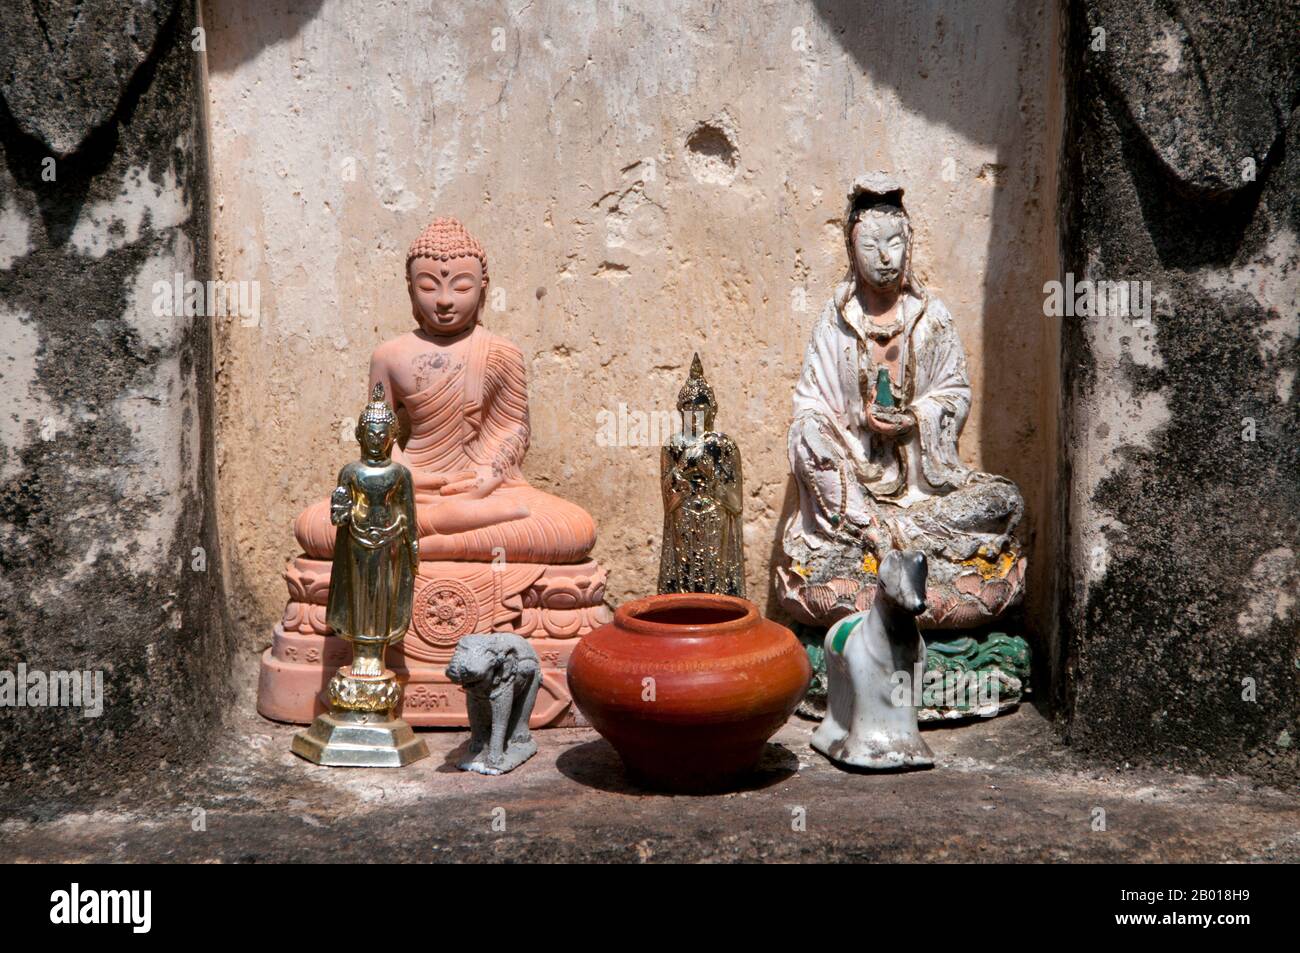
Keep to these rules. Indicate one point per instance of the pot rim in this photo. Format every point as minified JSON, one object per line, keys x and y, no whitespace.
{"x":628,"y":615}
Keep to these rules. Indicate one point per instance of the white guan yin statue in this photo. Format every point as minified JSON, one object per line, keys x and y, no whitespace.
{"x":878,"y":411}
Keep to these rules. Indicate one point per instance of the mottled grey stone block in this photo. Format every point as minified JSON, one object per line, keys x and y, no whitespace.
{"x":108,"y":548}
{"x":1181,"y":438}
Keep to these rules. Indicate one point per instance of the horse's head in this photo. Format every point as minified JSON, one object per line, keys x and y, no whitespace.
{"x":902,"y":579}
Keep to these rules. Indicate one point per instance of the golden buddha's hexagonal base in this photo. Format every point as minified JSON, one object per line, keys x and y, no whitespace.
{"x":356,"y":739}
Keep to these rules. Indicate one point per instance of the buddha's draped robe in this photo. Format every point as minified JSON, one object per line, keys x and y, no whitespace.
{"x":476,"y":414}
{"x":914,"y":487}
{"x":371,"y":580}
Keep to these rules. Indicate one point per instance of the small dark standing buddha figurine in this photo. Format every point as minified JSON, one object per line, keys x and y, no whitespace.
{"x":703,"y":548}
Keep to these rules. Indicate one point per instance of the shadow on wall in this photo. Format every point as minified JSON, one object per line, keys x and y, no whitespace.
{"x":941,"y":61}
{"x":243,"y":37}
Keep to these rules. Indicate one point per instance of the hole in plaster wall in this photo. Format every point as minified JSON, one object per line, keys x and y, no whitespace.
{"x":711,"y":154}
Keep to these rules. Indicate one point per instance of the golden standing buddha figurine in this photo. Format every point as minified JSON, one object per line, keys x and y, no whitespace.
{"x":376,"y":552}
{"x":703,"y":545}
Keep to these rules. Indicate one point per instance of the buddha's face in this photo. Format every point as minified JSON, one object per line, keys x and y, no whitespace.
{"x":376,"y":438}
{"x":446,"y":295}
{"x":698,"y":414}
{"x":880,"y":250}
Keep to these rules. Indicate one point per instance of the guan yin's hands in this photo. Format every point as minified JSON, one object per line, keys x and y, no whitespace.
{"x":890,"y":423}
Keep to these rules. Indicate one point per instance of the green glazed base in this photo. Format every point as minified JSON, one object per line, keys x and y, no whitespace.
{"x":975,"y":676}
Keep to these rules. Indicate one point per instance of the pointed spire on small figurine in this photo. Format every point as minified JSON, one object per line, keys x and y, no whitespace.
{"x":703,"y":491}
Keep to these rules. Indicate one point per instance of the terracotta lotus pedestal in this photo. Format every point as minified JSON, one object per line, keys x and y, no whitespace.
{"x":496,"y":554}
{"x":551,"y":606}
{"x":689,"y":687}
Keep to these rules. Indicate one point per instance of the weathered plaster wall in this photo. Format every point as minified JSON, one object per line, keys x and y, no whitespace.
{"x":649,"y":179}
{"x":1182,"y":442}
{"x":106,"y":466}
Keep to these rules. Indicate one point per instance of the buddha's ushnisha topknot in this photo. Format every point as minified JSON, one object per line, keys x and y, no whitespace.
{"x":443,"y":240}
{"x":378,"y":410}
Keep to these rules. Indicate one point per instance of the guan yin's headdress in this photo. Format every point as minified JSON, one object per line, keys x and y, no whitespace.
{"x":880,"y":190}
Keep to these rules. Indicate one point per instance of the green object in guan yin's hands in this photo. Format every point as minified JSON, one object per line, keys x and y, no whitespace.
{"x":884,"y":390}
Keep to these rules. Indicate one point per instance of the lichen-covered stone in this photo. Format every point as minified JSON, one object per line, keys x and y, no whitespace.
{"x":1182,"y":443}
{"x":109,"y":558}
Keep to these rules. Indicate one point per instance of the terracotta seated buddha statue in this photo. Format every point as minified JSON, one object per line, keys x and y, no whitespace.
{"x":462,"y":401}
{"x":496,"y":554}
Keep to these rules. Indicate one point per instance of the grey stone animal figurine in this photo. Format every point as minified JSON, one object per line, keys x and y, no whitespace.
{"x":865,"y":727}
{"x":501,"y":674}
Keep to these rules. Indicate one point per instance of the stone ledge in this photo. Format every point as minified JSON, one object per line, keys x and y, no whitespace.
{"x":1004,"y":789}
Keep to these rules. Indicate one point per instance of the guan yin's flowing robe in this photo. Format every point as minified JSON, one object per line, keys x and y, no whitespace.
{"x":915,"y":488}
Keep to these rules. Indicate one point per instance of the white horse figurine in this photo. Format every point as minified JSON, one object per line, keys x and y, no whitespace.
{"x":864,"y":727}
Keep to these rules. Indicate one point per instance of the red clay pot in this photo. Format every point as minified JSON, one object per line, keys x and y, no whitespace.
{"x":725,"y":679}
